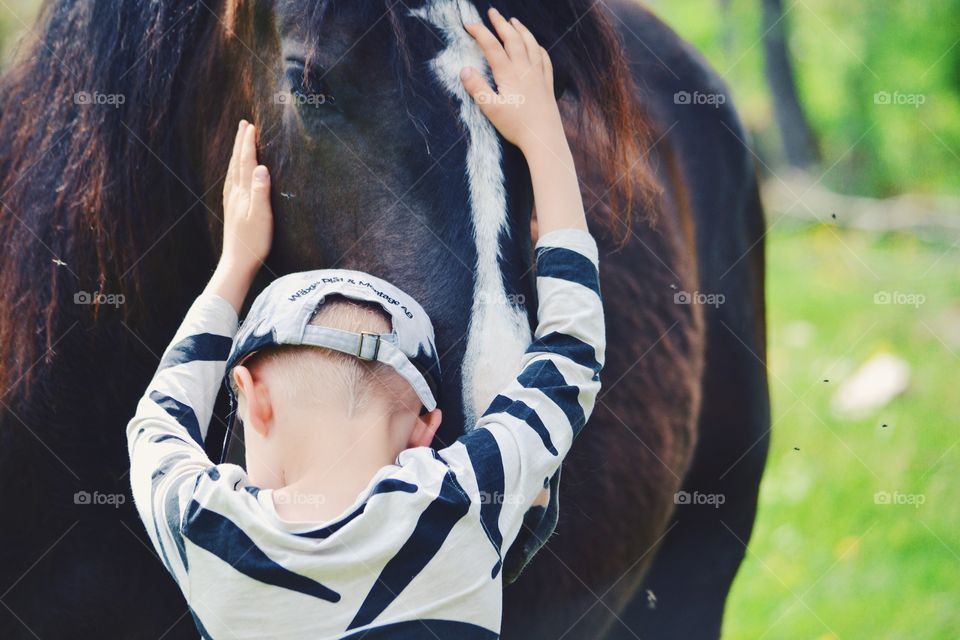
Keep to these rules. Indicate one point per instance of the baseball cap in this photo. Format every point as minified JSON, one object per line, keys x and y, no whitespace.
{"x":281,"y":315}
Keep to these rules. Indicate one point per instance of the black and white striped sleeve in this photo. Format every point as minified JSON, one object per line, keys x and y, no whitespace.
{"x":165,"y":437}
{"x":529,"y":427}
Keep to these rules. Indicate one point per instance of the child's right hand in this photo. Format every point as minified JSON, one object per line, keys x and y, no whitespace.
{"x":247,"y":221}
{"x":247,"y":216}
{"x":523,"y":109}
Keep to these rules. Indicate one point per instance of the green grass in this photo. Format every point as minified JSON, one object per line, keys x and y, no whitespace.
{"x":825,"y":560}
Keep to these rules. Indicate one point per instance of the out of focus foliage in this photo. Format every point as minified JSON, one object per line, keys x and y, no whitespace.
{"x":16,"y":23}
{"x":880,"y":82}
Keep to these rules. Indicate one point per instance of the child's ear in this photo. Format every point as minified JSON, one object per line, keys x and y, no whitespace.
{"x":425,"y":429}
{"x":257,"y":399}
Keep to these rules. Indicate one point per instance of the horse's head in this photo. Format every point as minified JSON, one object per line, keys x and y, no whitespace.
{"x":382,"y":163}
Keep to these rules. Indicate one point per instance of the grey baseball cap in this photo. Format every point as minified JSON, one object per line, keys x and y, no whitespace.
{"x":281,"y":315}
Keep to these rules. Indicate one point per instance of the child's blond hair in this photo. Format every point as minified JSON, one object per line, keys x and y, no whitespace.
{"x":297,"y":369}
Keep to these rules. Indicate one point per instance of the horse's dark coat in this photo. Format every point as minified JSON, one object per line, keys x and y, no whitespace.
{"x":126,"y":198}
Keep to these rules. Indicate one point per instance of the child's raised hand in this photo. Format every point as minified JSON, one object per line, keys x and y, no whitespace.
{"x":247,"y":216}
{"x":523,"y":108}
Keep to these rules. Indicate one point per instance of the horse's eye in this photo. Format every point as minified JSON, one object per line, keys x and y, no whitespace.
{"x":308,"y":90}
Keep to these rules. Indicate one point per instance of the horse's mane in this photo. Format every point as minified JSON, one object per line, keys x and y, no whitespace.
{"x":90,"y":192}
{"x":104,"y":200}
{"x":602,"y":113}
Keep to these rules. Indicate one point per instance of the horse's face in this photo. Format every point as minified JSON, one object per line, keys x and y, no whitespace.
{"x":381,"y":164}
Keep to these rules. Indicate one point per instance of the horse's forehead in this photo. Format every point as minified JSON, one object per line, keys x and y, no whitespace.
{"x":497,"y":326}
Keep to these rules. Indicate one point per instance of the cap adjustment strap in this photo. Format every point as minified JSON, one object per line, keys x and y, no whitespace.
{"x":381,"y":347}
{"x":364,"y":346}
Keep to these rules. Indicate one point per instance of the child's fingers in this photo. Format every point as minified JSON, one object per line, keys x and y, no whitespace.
{"x":490,"y":45}
{"x":511,"y":39}
{"x":478,"y":88}
{"x":529,"y":41}
{"x":260,"y":192}
{"x":235,"y":154}
{"x":248,"y":155}
{"x":547,"y":65}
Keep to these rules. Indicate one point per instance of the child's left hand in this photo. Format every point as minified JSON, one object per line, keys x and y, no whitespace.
{"x":523,"y":108}
{"x":247,"y":216}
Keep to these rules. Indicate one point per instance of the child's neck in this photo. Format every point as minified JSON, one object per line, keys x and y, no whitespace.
{"x":332,"y":466}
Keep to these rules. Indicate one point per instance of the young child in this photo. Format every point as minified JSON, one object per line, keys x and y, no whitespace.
{"x":346,"y":523}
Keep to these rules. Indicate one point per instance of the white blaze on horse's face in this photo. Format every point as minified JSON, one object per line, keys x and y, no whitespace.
{"x":499,"y":332}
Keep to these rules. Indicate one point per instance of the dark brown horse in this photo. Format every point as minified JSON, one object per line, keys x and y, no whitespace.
{"x":113,"y":137}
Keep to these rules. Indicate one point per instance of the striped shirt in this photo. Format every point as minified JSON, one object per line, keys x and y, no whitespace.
{"x":420,"y":553}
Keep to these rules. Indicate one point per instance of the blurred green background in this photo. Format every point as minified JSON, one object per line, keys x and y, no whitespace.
{"x":858,"y":523}
{"x":844,"y":53}
{"x":857,"y":532}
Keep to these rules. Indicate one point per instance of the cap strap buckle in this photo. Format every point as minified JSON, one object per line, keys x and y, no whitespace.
{"x":362,"y":346}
